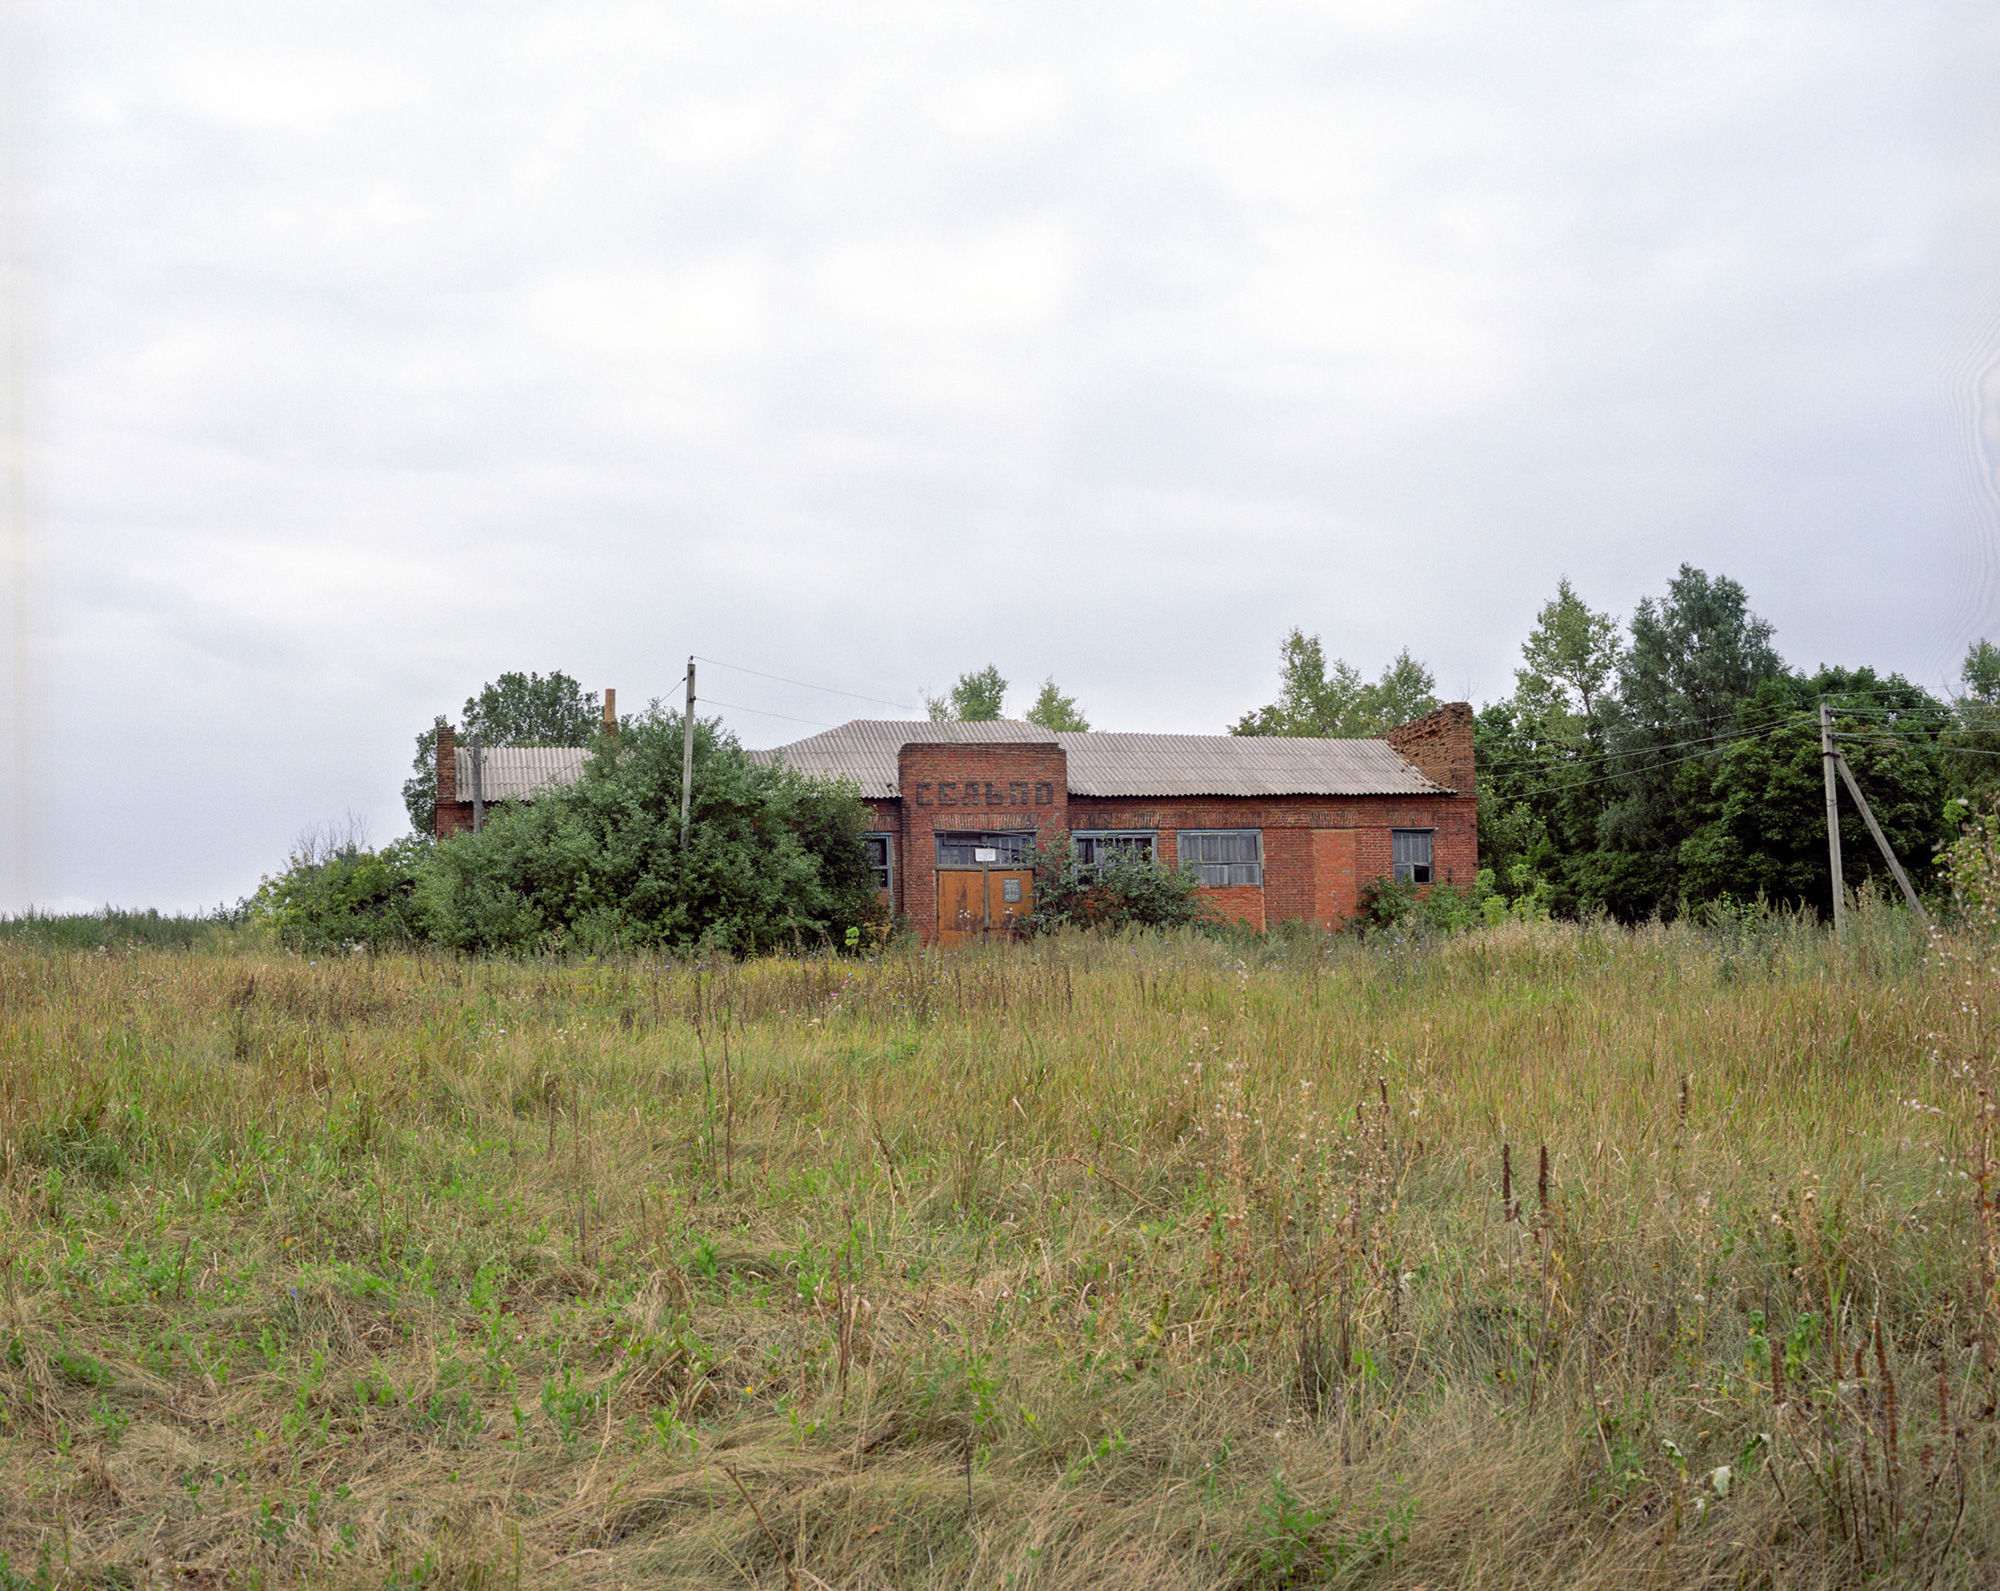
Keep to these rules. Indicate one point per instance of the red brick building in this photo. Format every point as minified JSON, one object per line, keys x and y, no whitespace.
{"x":1282,"y":829}
{"x":471,"y":777}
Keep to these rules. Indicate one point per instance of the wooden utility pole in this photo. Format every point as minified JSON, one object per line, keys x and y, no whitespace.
{"x":687,"y":759}
{"x":478,"y":786}
{"x":1881,"y":840}
{"x":1826,"y":754}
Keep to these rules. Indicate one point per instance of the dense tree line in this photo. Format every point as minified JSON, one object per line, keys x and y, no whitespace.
{"x":1673,"y":762}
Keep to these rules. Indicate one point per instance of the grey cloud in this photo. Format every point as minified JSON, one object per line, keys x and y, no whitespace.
{"x":385,"y":347}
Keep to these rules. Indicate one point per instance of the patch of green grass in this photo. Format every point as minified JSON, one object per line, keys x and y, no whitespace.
{"x":1159,"y":1261}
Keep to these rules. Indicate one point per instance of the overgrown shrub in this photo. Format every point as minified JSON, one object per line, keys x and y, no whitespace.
{"x":1970,"y":868}
{"x":774,"y":859}
{"x":339,"y":894}
{"x":1126,"y":890}
{"x":1389,"y":906}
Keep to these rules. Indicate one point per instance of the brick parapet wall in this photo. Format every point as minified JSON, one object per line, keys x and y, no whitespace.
{"x":1013,"y":787}
{"x":1440,"y":745}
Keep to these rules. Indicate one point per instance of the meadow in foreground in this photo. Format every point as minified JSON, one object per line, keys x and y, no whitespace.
{"x":1551,"y":1256}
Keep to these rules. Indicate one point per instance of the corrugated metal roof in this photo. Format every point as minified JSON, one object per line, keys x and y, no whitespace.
{"x":518,"y":773}
{"x":1102,"y":764}
{"x":1236,"y":765}
{"x":864,"y":749}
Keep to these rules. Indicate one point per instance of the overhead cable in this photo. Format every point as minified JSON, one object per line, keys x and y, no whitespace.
{"x":1584,"y":784}
{"x":830,"y":690}
{"x":1738,"y":732}
{"x":736,"y":707}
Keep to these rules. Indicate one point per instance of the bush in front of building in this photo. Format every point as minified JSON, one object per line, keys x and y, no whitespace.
{"x":337,"y":894}
{"x":774,"y":860}
{"x":1122,"y":891}
{"x":1387,"y":906}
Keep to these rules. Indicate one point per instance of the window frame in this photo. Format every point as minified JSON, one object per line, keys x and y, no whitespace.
{"x":1229,"y":867}
{"x":1405,"y":871}
{"x":887,"y":881}
{"x":1119,"y":839}
{"x":1022,"y":840}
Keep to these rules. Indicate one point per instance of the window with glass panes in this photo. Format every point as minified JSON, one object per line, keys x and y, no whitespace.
{"x":956,"y":850}
{"x":1224,"y":857}
{"x":881,"y":849}
{"x":1101,"y":845}
{"x":1410,"y":855}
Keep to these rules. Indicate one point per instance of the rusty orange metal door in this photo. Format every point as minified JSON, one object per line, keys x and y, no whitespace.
{"x":975,"y":906}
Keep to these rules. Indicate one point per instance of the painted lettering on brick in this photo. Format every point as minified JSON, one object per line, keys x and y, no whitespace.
{"x":944,"y":786}
{"x":924,"y":794}
{"x":993,"y":795}
{"x":1017,"y":793}
{"x":1045,"y":794}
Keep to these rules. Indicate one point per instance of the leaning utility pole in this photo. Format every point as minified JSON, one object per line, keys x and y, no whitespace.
{"x":687,"y":758}
{"x":1881,"y":839}
{"x":1826,"y":754}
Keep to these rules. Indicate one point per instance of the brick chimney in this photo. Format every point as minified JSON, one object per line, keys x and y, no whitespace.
{"x":610,"y":711}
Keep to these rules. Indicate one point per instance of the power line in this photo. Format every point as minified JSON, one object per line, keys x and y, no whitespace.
{"x":736,"y":707}
{"x":1918,"y":716}
{"x":1584,"y":784}
{"x":830,"y":690}
{"x":1739,"y":732}
{"x":1934,"y":710}
{"x":1904,"y":745}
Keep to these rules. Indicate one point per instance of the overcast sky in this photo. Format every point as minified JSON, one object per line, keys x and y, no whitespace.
{"x":374,"y":349}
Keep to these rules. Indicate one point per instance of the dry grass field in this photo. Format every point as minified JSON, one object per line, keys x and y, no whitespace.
{"x":1547,"y":1256}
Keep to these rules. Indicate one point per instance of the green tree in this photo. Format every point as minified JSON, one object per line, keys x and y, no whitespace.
{"x":774,"y":858}
{"x":1569,"y":661}
{"x":1972,"y":744}
{"x":1541,"y":753}
{"x":1756,"y":807}
{"x":1521,"y":839}
{"x":1695,"y":656}
{"x":514,"y":710}
{"x":975,"y":699}
{"x":1318,"y":698}
{"x":1057,"y":712}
